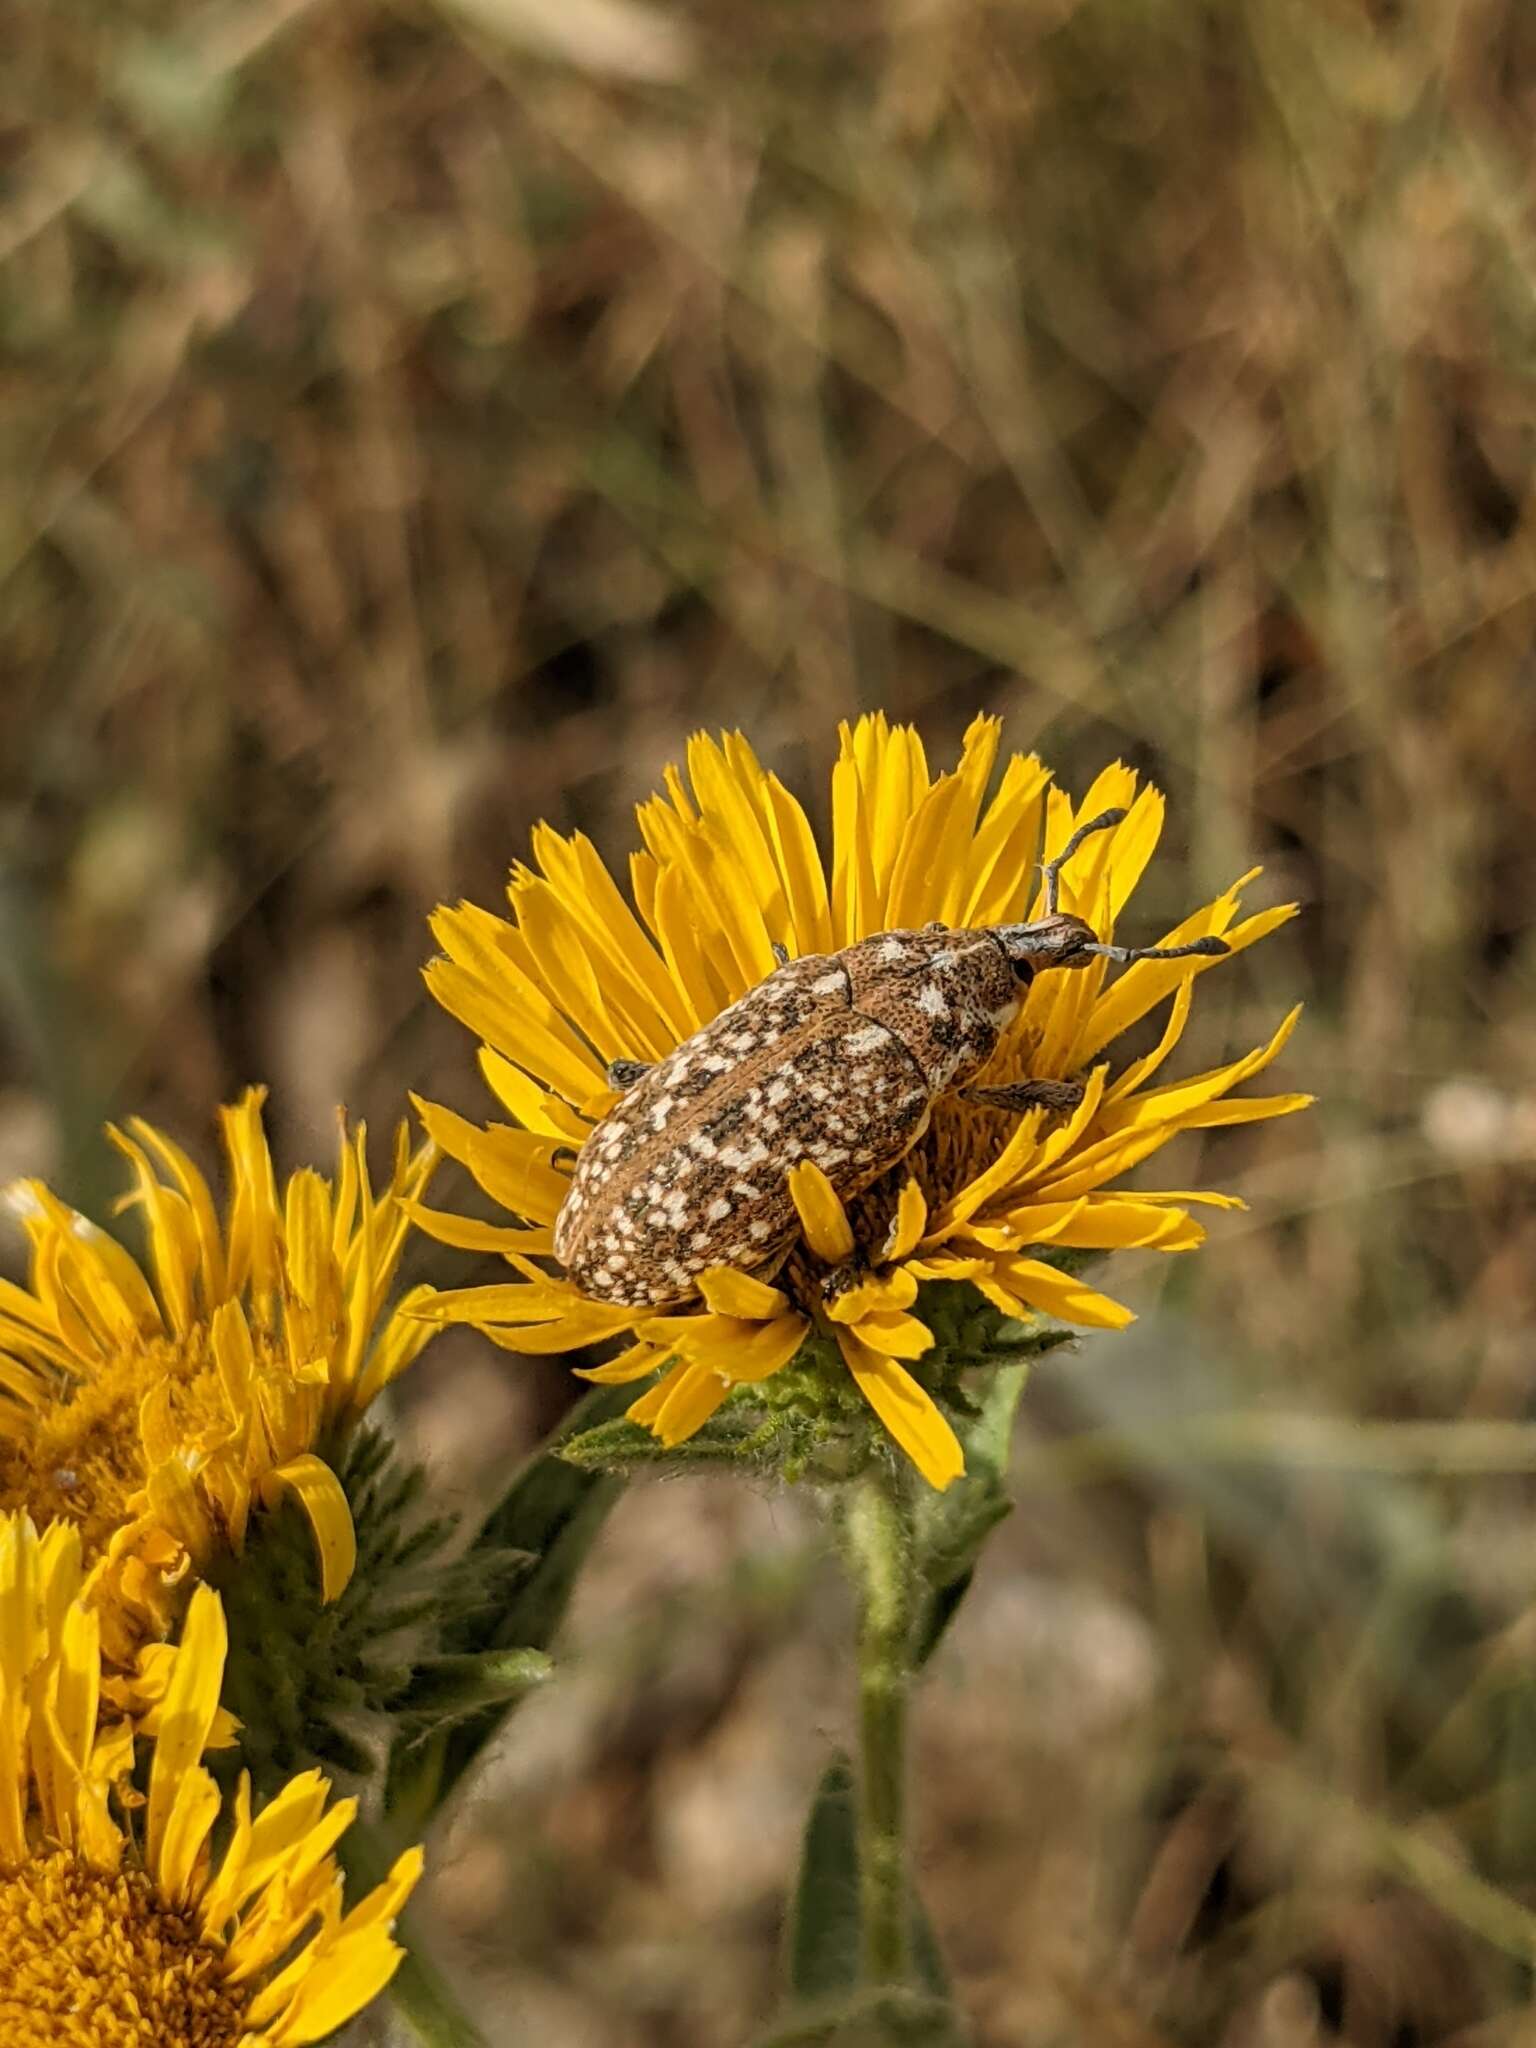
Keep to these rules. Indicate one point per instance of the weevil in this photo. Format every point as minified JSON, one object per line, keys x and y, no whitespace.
{"x":835,"y":1057}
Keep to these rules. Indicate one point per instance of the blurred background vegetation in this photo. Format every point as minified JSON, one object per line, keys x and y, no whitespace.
{"x":415,"y":422}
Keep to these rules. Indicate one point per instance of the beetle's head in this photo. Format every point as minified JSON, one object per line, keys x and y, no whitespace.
{"x":1059,"y":940}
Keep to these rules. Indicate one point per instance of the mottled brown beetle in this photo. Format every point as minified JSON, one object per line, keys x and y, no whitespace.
{"x":836,"y":1057}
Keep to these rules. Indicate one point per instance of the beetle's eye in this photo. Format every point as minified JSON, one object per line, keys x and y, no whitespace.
{"x":1023,"y":970}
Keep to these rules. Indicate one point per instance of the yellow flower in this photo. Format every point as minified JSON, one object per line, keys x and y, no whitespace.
{"x":731,"y":871}
{"x":119,"y":1938}
{"x":155,"y":1406}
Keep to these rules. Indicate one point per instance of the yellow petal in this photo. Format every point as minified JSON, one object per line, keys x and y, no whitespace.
{"x":898,"y":1336}
{"x":75,"y":1696}
{"x":907,"y":1225}
{"x":1142,"y":1070}
{"x":856,"y":902}
{"x":630,"y":964}
{"x":805,"y":883}
{"x":689,"y":1405}
{"x":514,"y":1167}
{"x":731,"y":1293}
{"x":823,"y":1218}
{"x":1174,"y":1103}
{"x":736,"y":1350}
{"x":319,"y":1493}
{"x":1061,"y":1294}
{"x":929,"y":871}
{"x":876,"y":1294}
{"x":191,"y":1702}
{"x":1102,"y":1223}
{"x":1145,"y":983}
{"x":908,"y":1412}
{"x":1001,"y":881}
{"x":533,"y":1301}
{"x":184,"y":1847}
{"x":649,"y":1405}
{"x":468,"y":1234}
{"x":1247,"y":1109}
{"x":947,"y":1266}
{"x":533,"y":1107}
{"x":630,"y":1365}
{"x":484,"y":984}
{"x":554,"y":952}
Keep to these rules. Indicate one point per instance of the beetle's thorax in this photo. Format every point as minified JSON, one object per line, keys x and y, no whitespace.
{"x":948,"y":995}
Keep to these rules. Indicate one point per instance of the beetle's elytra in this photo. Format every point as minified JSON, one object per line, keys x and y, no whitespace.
{"x":837,"y":1058}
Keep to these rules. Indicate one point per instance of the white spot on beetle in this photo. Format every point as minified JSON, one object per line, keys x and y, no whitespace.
{"x":744,"y":1155}
{"x":868,"y":1039}
{"x":932,"y":1003}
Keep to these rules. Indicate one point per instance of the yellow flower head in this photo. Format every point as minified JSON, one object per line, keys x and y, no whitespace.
{"x":731,"y":881}
{"x":153,"y":1407}
{"x":114,"y":1938}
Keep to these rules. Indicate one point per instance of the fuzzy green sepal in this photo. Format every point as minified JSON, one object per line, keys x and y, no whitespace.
{"x":326,"y":1684}
{"x":810,"y":1422}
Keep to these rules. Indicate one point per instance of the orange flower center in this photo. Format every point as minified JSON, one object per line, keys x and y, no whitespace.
{"x":95,"y":1959}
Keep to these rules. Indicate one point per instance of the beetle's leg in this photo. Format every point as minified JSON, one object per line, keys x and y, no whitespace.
{"x":780,"y":954}
{"x":842,"y":1278}
{"x":1027,"y":1095}
{"x":623,"y":1074}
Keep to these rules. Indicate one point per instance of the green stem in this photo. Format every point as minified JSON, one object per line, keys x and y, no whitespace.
{"x":879,"y":1544}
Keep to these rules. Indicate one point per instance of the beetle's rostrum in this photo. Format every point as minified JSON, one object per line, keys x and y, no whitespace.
{"x":837,"y":1058}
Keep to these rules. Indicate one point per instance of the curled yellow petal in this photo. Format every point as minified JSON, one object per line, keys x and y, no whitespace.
{"x":898,"y":1336}
{"x":731,"y":1293}
{"x":907,"y":1225}
{"x":318,"y":1491}
{"x":822,"y":1215}
{"x":875,"y":1294}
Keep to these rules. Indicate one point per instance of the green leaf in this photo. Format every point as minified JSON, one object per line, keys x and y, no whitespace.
{"x":553,"y":1511}
{"x":822,"y":1938}
{"x":821,"y":1956}
{"x":740,"y":1434}
{"x":447,"y":1689}
{"x":954,"y":1525}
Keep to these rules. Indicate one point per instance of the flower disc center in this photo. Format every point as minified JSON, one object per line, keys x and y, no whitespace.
{"x":95,"y":1959}
{"x":82,"y":1460}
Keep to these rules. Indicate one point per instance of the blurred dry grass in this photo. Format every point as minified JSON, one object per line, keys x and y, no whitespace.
{"x":416,"y":422}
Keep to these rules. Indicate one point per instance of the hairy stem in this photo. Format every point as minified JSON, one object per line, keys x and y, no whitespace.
{"x":879,"y":1546}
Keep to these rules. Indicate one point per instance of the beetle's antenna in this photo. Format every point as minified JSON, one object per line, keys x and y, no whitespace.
{"x":1211,"y":948}
{"x":1051,"y":869}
